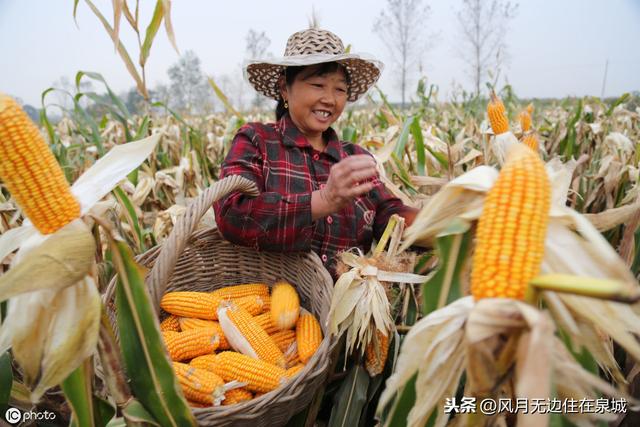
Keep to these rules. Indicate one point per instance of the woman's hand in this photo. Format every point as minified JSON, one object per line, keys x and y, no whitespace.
{"x":345,"y":183}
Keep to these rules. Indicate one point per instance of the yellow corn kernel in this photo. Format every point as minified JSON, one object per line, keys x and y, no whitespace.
{"x":188,"y":323}
{"x":525,"y":120}
{"x":198,"y":385}
{"x":245,"y":335}
{"x":376,"y":353}
{"x":531,"y":141}
{"x":31,"y":173}
{"x":308,"y":336}
{"x":204,"y":305}
{"x":205,"y":362}
{"x":236,"y":395}
{"x":284,"y":339}
{"x":264,"y":320}
{"x":239,"y":291}
{"x":294,"y":370}
{"x":497,"y":115}
{"x":512,"y":228}
{"x":168,"y":334}
{"x":259,"y":376}
{"x":192,"y":343}
{"x":285,"y":305}
{"x":170,"y":324}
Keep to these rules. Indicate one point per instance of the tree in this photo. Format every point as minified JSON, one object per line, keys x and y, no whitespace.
{"x":401,"y":27}
{"x":257,"y":45}
{"x":188,"y":88}
{"x":483,"y":26}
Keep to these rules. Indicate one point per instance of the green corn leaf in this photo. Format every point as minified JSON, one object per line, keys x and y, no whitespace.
{"x":146,"y":362}
{"x":122,"y":108}
{"x":416,"y":132}
{"x":444,"y":286}
{"x":617,"y":102}
{"x":350,"y":399}
{"x":78,"y":392}
{"x":404,"y":137}
{"x":399,"y":412}
{"x":152,"y":30}
{"x":6,"y":379}
{"x":132,"y":218}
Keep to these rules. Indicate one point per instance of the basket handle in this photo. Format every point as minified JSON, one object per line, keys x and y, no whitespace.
{"x":163,"y":266}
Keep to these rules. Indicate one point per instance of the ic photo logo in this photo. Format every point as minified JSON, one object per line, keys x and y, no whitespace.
{"x":13,"y":415}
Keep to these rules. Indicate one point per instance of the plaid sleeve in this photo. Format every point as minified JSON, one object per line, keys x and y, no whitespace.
{"x":386,"y":205}
{"x":272,"y":221}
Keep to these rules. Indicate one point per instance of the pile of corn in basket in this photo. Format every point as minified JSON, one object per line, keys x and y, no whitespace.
{"x":191,"y":265}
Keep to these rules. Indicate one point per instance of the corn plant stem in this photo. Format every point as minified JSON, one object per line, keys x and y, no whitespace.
{"x":385,"y":236}
{"x":589,"y":287}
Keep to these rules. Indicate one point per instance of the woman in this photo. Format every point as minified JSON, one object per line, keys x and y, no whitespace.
{"x":317,"y":193}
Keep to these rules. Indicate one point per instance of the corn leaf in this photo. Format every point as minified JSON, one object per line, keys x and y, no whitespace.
{"x":152,"y":30}
{"x":617,"y":102}
{"x":350,"y":399}
{"x":122,"y":108}
{"x":168,"y":27}
{"x":404,"y":137}
{"x":224,"y":99}
{"x":6,"y":379}
{"x":117,"y":14}
{"x":145,"y":359}
{"x":78,"y":392}
{"x":132,"y":218}
{"x":398,"y":414}
{"x":416,"y":132}
{"x":445,"y":286}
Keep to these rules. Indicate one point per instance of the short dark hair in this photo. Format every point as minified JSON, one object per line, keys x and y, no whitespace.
{"x":290,"y":74}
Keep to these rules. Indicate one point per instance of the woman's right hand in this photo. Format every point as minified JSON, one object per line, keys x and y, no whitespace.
{"x":349,"y":178}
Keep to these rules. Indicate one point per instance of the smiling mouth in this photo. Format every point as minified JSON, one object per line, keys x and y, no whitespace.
{"x":322,"y":113}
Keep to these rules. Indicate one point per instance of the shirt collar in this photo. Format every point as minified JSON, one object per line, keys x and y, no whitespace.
{"x":292,"y":137}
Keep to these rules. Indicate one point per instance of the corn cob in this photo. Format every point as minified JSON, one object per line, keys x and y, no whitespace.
{"x":239,"y":291}
{"x":236,"y":395}
{"x":497,"y":116}
{"x":168,"y":334}
{"x":308,"y":336}
{"x":376,"y":353}
{"x":525,"y":120}
{"x":264,"y":320}
{"x":170,"y":324}
{"x":31,"y":173}
{"x":531,"y":141}
{"x":188,"y":323}
{"x":246,"y":336}
{"x":294,"y":370}
{"x":258,"y":375}
{"x":512,"y":228}
{"x":198,"y":385}
{"x":284,"y":339}
{"x":204,"y":305}
{"x":285,"y":306}
{"x":205,"y":362}
{"x":192,"y":343}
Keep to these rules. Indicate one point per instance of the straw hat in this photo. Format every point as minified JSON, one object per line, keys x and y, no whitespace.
{"x":308,"y":47}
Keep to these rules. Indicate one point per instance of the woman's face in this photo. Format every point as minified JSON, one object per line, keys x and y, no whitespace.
{"x":315,"y":101}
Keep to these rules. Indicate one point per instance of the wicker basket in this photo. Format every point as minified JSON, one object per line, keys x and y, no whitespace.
{"x":203,"y":261}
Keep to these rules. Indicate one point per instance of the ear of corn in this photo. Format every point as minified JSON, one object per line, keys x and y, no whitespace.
{"x":170,"y":324}
{"x":284,"y":339}
{"x":512,"y":228}
{"x":308,"y":336}
{"x":239,"y":291}
{"x":264,"y":320}
{"x":525,"y":121}
{"x":205,"y":362}
{"x":236,"y":395}
{"x":531,"y":141}
{"x":31,"y":173}
{"x":497,"y":115}
{"x":192,"y":343}
{"x":285,"y":305}
{"x":204,"y":305}
{"x":189,"y":323}
{"x":246,"y":336}
{"x":258,"y":375}
{"x":198,"y":385}
{"x":376,"y":353}
{"x":294,"y":370}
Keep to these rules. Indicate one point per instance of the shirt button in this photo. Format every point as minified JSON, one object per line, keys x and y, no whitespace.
{"x":324,"y":258}
{"x":316,"y":156}
{"x":330,"y":220}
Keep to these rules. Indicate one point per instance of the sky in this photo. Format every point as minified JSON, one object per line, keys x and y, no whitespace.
{"x":557,"y":48}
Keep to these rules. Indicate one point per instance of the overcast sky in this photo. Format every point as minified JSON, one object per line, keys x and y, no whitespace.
{"x":558,"y":47}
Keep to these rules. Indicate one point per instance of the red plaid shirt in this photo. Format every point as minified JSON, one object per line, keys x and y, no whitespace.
{"x":286,"y":169}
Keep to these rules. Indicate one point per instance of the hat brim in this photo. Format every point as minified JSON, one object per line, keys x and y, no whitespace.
{"x":263,"y":74}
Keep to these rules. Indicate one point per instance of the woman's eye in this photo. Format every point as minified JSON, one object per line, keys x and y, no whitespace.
{"x":341,"y":89}
{"x":316,"y":84}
